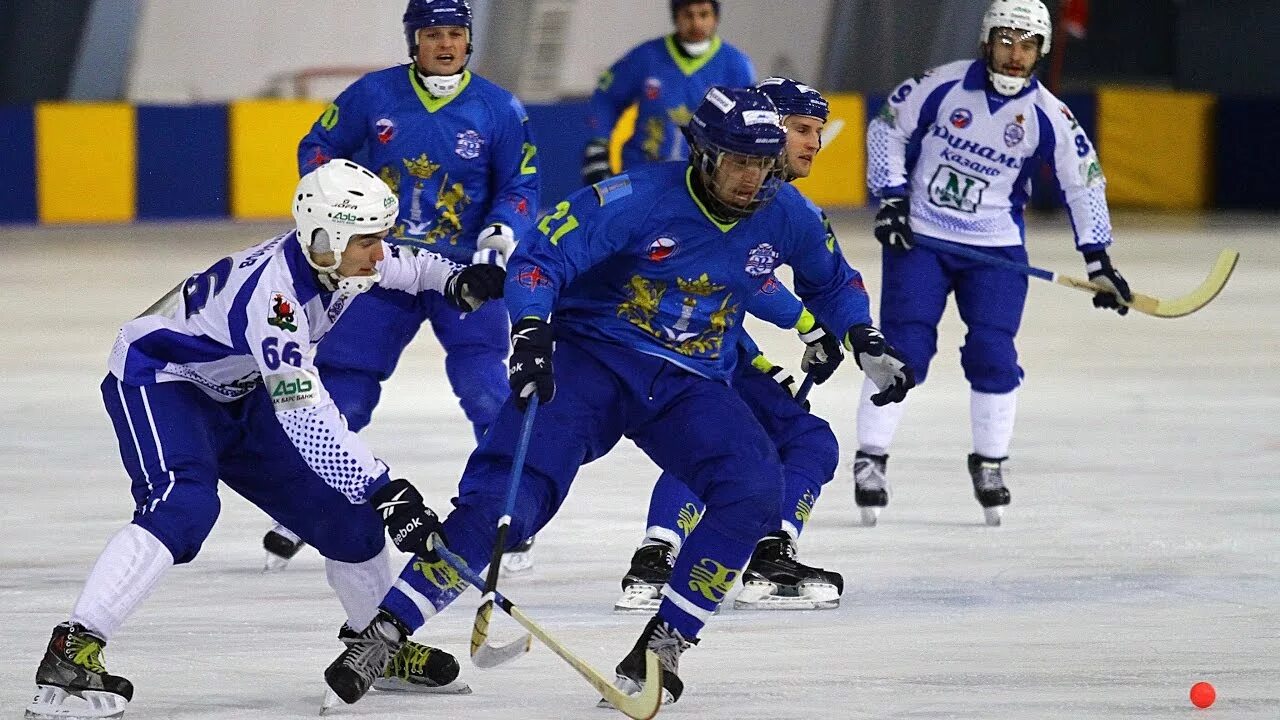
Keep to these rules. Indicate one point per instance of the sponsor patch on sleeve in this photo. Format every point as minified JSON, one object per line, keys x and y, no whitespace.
{"x":293,"y":390}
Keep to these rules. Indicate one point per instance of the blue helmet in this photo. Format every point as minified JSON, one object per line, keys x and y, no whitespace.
{"x":741,"y":122}
{"x":435,"y":13}
{"x":794,"y":98}
{"x":677,"y":4}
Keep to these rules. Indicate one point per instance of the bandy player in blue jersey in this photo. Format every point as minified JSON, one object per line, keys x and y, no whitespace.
{"x":665,"y":77}
{"x":645,"y":345}
{"x":458,"y":152}
{"x":215,"y":383}
{"x":774,"y":578}
{"x":951,"y":157}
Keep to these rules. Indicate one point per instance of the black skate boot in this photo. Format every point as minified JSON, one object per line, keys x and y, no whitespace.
{"x":870,"y":486}
{"x":668,"y":644}
{"x":775,"y":580}
{"x":988,"y":486}
{"x":416,"y":668}
{"x":281,"y":545}
{"x":72,"y":666}
{"x":650,"y":570}
{"x":366,"y":659}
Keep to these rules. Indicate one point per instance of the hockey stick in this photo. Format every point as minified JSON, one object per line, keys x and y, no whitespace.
{"x":803,"y":393}
{"x":482,"y":653}
{"x":641,"y":706}
{"x":1146,"y":304}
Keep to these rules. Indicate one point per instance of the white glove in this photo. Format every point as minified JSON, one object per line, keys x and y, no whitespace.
{"x":494,"y":245}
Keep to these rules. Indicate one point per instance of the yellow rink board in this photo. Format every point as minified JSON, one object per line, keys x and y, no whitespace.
{"x":1155,"y":147}
{"x":264,"y":139}
{"x":86,"y":162}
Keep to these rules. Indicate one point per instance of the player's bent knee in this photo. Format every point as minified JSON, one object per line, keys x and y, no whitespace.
{"x":990,"y":361}
{"x":181,"y":523}
{"x":352,"y":537}
{"x":814,"y":453}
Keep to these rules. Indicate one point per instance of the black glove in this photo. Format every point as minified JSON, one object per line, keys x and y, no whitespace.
{"x":893,"y":224}
{"x":595,"y":162}
{"x":883,"y":364}
{"x":1102,"y":274}
{"x":410,"y":523}
{"x":783,"y":378}
{"x":822,"y":355}
{"x":529,"y":369}
{"x":469,"y":288}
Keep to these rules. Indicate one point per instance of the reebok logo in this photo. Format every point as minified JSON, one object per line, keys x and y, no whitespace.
{"x":389,"y":507}
{"x":403,"y":533}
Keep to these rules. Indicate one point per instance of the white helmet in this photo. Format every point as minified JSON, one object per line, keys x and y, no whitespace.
{"x":336,"y":201}
{"x":1029,"y":15}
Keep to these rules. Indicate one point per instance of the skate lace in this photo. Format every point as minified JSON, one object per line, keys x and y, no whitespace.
{"x":868,"y":474}
{"x":410,"y":661}
{"x":668,"y":644}
{"x":86,"y":652}
{"x":989,"y":476}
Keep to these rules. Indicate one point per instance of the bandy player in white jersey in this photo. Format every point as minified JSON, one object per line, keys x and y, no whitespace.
{"x":951,"y":157}
{"x":215,"y":382}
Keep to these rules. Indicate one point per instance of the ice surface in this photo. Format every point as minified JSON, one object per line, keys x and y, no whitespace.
{"x":1141,"y":553}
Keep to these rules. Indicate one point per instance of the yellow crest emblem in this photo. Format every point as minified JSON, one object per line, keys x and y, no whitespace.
{"x":711,"y":579}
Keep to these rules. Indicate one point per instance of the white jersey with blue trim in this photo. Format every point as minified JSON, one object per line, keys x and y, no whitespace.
{"x":965,"y":156}
{"x":253,"y":318}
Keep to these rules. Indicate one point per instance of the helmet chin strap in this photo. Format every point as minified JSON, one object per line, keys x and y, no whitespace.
{"x":1007,"y":85}
{"x":328,"y":275}
{"x":696,"y":48}
{"x":440,"y":85}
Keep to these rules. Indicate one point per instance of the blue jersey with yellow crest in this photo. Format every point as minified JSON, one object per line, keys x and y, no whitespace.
{"x":635,"y":260}
{"x":667,"y":85}
{"x":457,"y":163}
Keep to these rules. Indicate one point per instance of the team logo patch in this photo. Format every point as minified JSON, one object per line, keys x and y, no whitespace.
{"x":961,"y":118}
{"x":761,"y":260}
{"x":282,"y":313}
{"x":385,"y":129}
{"x":532,"y":277}
{"x":770,"y":286}
{"x":1014,"y":134}
{"x":469,"y":144}
{"x":662,"y":248}
{"x":1070,"y":118}
{"x":335,"y":310}
{"x":652,"y":88}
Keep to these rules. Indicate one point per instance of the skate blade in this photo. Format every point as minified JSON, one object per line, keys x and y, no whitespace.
{"x":516,"y":563}
{"x":274,"y":563}
{"x":993,"y":515}
{"x":395,"y":684}
{"x":764,"y":596}
{"x":55,"y":703}
{"x":631,"y":687}
{"x":870,"y":515}
{"x":639,"y":598}
{"x":330,"y":701}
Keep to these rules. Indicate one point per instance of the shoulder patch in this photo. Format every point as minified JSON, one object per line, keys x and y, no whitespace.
{"x":612,"y":189}
{"x":518,"y":107}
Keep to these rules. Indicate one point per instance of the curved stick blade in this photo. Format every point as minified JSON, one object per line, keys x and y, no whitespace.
{"x":1203,"y":295}
{"x":485,"y":655}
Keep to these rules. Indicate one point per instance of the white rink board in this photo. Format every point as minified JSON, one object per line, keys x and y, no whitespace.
{"x":1140,"y":554}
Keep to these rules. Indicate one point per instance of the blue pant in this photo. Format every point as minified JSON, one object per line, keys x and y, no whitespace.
{"x":697,"y":428}
{"x":176,"y":443}
{"x":913,"y":296}
{"x":364,"y":347}
{"x":805,"y":444}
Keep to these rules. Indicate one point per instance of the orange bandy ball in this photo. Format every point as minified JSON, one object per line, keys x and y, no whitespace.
{"x":1202,"y":695}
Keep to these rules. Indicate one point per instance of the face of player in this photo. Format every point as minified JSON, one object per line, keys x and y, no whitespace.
{"x":442,"y":50}
{"x":739,"y":177}
{"x":358,"y":260}
{"x":804,"y":139}
{"x":696,"y":22}
{"x":1013,"y":52}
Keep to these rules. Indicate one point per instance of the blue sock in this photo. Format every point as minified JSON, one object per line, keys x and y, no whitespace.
{"x":673,"y":511}
{"x":705,"y":571}
{"x":423,"y":589}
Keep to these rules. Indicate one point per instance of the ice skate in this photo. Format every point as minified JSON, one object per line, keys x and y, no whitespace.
{"x":367,"y":657}
{"x":281,"y":545}
{"x":518,"y":560}
{"x":72,"y":682}
{"x":668,"y":644}
{"x":775,"y":580}
{"x":870,"y":486}
{"x":988,"y":486}
{"x":416,"y":668}
{"x":642,"y":585}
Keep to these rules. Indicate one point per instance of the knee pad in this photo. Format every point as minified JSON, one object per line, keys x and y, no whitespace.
{"x":990,"y":360}
{"x":814,"y":452}
{"x":183,"y":521}
{"x":352,"y":536}
{"x":918,"y":343}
